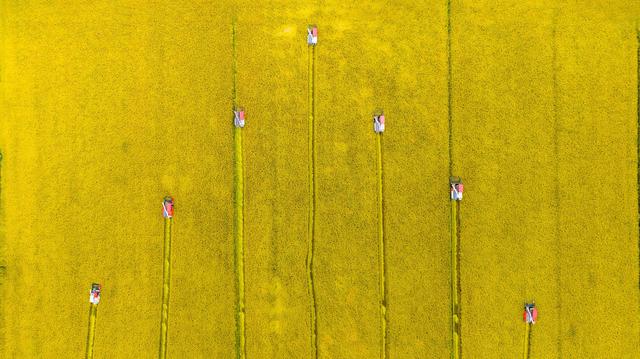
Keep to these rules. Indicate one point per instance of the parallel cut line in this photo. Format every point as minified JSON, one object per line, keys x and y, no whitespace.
{"x":238,"y":216}
{"x":527,"y":341}
{"x":166,"y":287}
{"x":312,"y":203}
{"x":456,"y":340}
{"x":93,"y":312}
{"x":382,"y":252}
{"x":456,"y":345}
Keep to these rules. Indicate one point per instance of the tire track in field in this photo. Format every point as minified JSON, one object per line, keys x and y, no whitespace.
{"x":456,"y":328}
{"x":238,"y":216}
{"x":312,"y":201}
{"x":382,"y":251}
{"x":527,"y":341}
{"x":91,"y":334}
{"x":166,"y":287}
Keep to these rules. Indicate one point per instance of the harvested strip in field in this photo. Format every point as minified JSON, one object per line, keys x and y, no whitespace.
{"x":312,"y":201}
{"x":527,"y":340}
{"x":166,"y":283}
{"x":93,"y":312}
{"x":381,"y":252}
{"x":238,"y":213}
{"x":456,"y":346}
{"x":455,"y":270}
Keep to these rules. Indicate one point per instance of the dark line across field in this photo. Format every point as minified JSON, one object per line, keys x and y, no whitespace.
{"x":312,"y":203}
{"x":238,"y":209}
{"x":384,"y":319}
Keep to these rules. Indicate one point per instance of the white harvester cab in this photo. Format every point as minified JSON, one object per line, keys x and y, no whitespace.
{"x":238,"y":117}
{"x":378,"y":122}
{"x":530,"y":314}
{"x":456,"y":188}
{"x":312,"y":35}
{"x":94,"y":293}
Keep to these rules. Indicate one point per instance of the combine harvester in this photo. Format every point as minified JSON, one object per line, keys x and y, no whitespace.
{"x":94,"y":299}
{"x":378,"y":122}
{"x":312,"y":35}
{"x":529,"y":316}
{"x":238,"y":117}
{"x":456,"y":187}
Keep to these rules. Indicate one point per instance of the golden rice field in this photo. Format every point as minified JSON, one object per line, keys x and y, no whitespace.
{"x":108,"y":106}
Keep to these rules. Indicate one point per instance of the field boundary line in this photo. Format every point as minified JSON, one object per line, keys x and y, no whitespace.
{"x":238,"y":217}
{"x":312,"y":203}
{"x":91,"y":334}
{"x":382,"y":251}
{"x":166,"y":287}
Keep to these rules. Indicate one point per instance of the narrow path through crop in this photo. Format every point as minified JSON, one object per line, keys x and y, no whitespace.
{"x":93,"y":313}
{"x":456,"y":347}
{"x":382,"y":252}
{"x":238,"y":234}
{"x":456,"y":337}
{"x":166,"y":287}
{"x":312,"y":201}
{"x":527,"y":340}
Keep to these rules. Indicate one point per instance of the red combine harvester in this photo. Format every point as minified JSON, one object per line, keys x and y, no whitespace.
{"x":456,"y":188}
{"x":312,"y":35}
{"x":530,"y":314}
{"x":94,"y":293}
{"x":167,"y":207}
{"x":238,"y":117}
